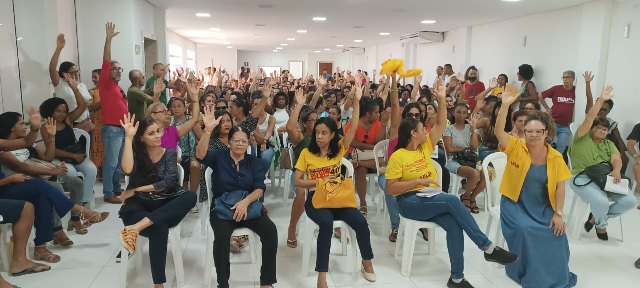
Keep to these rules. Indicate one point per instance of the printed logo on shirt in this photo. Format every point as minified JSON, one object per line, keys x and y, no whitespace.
{"x":514,"y":164}
{"x":565,"y":100}
{"x":322,"y":172}
{"x":426,"y":176}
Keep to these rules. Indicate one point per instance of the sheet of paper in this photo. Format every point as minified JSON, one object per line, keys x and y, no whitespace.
{"x":428,"y":192}
{"x":620,"y":188}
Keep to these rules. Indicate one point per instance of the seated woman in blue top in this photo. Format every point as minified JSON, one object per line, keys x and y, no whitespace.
{"x":154,"y":200}
{"x":236,"y":173}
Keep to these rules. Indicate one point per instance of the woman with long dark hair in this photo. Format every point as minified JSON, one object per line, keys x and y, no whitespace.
{"x":411,"y":170}
{"x":488,"y":140}
{"x":322,"y":159}
{"x":154,"y":200}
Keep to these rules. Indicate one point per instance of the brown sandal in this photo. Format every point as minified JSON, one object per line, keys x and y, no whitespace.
{"x":363,"y":210}
{"x":82,"y":230}
{"x":474,"y":207}
{"x":425,"y":234}
{"x":462,"y":199}
{"x":62,"y":242}
{"x":96,"y":218}
{"x":292,"y":243}
{"x":48,"y":257}
{"x":393,"y":237}
{"x":129,"y":239}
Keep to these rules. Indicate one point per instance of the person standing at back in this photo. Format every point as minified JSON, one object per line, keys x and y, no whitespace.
{"x":471,"y":88}
{"x":114,"y":105}
{"x":563,"y":98}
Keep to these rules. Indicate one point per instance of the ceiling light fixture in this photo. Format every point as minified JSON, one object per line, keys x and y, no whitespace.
{"x":214,"y":29}
{"x":265,"y":6}
{"x":428,"y":21}
{"x":302,"y":31}
{"x":229,"y":47}
{"x":339,"y":45}
{"x":317,"y":51}
{"x":319,"y":18}
{"x":284,"y":44}
{"x":279,"y":48}
{"x":226,"y":43}
{"x":275,"y":50}
{"x":204,"y":15}
{"x":327,"y":49}
{"x":385,"y":33}
{"x":291,"y":39}
{"x":357,"y":41}
{"x":260,"y":25}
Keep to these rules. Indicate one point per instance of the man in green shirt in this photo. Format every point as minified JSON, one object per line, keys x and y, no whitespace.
{"x":137,"y":98}
{"x":158,"y":73}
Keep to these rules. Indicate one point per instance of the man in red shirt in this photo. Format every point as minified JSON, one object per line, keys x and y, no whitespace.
{"x":563,"y":98}
{"x":471,"y":88}
{"x":114,"y":107}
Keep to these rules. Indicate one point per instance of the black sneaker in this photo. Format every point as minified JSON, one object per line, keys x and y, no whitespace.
{"x":500,"y":256}
{"x":637,"y":263}
{"x":463,"y":284}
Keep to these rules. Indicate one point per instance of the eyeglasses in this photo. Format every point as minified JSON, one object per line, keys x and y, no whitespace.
{"x":221,"y":108}
{"x":534,"y":132}
{"x":165,"y":111}
{"x":239,"y":141}
{"x":566,"y":77}
{"x":602,"y":129}
{"x":529,"y":109}
{"x":312,"y":120}
{"x":604,"y":110}
{"x":117,"y":69}
{"x":74,"y":72}
{"x":413,"y":115}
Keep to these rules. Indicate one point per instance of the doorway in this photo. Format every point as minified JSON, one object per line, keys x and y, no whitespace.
{"x":150,"y":55}
{"x":325,"y":66}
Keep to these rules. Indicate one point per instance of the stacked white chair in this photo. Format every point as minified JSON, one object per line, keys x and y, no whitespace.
{"x":499,"y":162}
{"x":381,"y":148}
{"x":4,"y":252}
{"x":346,"y":234}
{"x":174,"y":242}
{"x":407,"y":232}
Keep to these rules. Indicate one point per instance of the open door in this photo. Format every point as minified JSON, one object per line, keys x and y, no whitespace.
{"x":150,"y":55}
{"x":325,"y":65}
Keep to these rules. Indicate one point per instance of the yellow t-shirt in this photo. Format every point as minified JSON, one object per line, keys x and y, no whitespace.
{"x":411,"y":165}
{"x":496,"y":91}
{"x":518,"y":162}
{"x":320,"y":167}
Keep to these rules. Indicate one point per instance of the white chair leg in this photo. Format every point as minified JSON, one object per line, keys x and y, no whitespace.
{"x":499,"y":236}
{"x":354,"y":251}
{"x":287,"y":187}
{"x":204,"y":217}
{"x":4,"y":252}
{"x":344,"y":235}
{"x":489,"y":222}
{"x":124,"y":263}
{"x":309,"y":230}
{"x":621,"y":230}
{"x":399,"y":239}
{"x":407,"y":250}
{"x":208,"y":259}
{"x":176,"y":250}
{"x":137,"y":258}
{"x":253,"y":242}
{"x":431,"y":233}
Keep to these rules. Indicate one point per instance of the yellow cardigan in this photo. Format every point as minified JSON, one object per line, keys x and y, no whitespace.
{"x":518,"y":162}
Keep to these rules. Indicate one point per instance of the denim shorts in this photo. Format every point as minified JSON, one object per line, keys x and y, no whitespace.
{"x":452,"y":166}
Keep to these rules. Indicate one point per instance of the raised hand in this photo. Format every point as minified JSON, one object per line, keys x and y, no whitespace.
{"x":473,"y":120}
{"x":72,"y":82}
{"x":130,"y":125}
{"x":494,"y":83}
{"x":158,"y":86}
{"x":210,"y":120}
{"x":442,"y":91}
{"x":50,"y":127}
{"x":60,"y":41}
{"x":322,"y":81}
{"x":300,"y":97}
{"x":111,"y":30}
{"x":588,"y":77}
{"x":358,"y":91}
{"x":509,"y":95}
{"x":34,"y":117}
{"x":417,"y":80}
{"x":607,"y":92}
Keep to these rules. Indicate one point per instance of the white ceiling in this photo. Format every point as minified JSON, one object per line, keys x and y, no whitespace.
{"x":237,"y":20}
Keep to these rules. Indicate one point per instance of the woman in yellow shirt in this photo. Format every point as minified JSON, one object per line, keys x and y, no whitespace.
{"x":322,"y":160}
{"x":533,"y":196}
{"x":410,"y":170}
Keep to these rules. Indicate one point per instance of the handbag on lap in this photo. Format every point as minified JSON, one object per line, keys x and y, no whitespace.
{"x":340,"y":194}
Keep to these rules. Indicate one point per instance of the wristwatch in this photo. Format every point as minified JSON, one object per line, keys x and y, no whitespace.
{"x":559,"y":212}
{"x":635,"y":155}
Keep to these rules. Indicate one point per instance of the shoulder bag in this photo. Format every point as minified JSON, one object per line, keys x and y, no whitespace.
{"x":466,"y":157}
{"x":334,"y":194}
{"x":597,"y":174}
{"x":224,"y":203}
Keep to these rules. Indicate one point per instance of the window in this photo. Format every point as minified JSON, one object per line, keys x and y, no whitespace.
{"x":175,"y":59}
{"x":191,"y":60}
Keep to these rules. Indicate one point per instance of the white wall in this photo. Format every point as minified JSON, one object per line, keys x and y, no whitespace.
{"x":310,"y":60}
{"x":225,"y":57}
{"x":452,"y":51}
{"x":186,"y":44}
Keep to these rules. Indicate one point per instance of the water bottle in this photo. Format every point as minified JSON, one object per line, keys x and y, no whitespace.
{"x":479,"y":165}
{"x":60,"y":178}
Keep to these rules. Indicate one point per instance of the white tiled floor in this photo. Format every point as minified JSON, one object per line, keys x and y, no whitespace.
{"x":91,"y":261}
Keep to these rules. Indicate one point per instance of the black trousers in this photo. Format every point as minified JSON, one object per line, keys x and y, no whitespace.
{"x":222,"y":230}
{"x":167,"y":216}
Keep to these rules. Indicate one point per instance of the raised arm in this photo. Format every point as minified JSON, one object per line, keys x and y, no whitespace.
{"x":321,"y":84}
{"x":266,"y":94}
{"x":82,"y":105}
{"x":348,"y":137}
{"x":508,"y":97}
{"x":111,"y":32}
{"x":15,"y":144}
{"x":441,"y":118}
{"x":416,"y":88}
{"x":607,"y":93}
{"x":473,"y":121}
{"x":292,"y":130}
{"x":130,"y":128}
{"x":53,"y":72}
{"x":210,"y":123}
{"x":588,"y":77}
{"x":192,"y":92}
{"x":396,"y":113}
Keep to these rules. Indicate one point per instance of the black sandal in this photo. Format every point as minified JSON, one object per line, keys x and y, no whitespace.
{"x":462,"y":199}
{"x":474,"y":207}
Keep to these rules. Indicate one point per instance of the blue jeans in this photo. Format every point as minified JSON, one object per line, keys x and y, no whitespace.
{"x":324,"y":218}
{"x":599,"y":200}
{"x":392,"y":204}
{"x":484,"y":151}
{"x":447,"y":211}
{"x":563,"y":138}
{"x":267,"y":158}
{"x":90,"y":172}
{"x":113,"y":138}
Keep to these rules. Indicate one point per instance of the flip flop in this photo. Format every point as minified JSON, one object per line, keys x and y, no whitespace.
{"x":292,"y":243}
{"x":31,"y":270}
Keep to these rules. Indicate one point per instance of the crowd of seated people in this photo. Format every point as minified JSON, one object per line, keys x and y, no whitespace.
{"x":237,"y":127}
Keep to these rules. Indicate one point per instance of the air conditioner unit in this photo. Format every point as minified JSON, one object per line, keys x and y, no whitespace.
{"x":633,"y":3}
{"x":423,"y":37}
{"x":356,"y":50}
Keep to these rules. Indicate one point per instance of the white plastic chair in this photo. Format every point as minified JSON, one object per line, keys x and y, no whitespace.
{"x":254,"y":250}
{"x":346,"y":234}
{"x":407,"y":235}
{"x":287,"y":180}
{"x":499,"y":162}
{"x":4,"y":252}
{"x":381,"y":148}
{"x":176,"y":250}
{"x":206,"y":205}
{"x":79,"y":132}
{"x":456,"y":180}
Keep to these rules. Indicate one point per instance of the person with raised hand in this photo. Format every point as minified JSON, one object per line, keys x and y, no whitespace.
{"x":238,"y":176}
{"x":590,"y":147}
{"x":322,"y":159}
{"x":114,"y":105}
{"x":154,"y":202}
{"x":533,"y":195}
